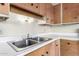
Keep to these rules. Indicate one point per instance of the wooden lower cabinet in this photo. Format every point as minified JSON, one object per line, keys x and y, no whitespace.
{"x":57,"y":14}
{"x":51,"y":49}
{"x":55,"y":48}
{"x":62,"y":47}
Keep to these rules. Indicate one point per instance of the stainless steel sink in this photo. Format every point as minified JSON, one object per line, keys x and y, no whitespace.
{"x":26,"y":43}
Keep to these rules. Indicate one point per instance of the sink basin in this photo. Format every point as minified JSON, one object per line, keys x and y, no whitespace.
{"x":24,"y":43}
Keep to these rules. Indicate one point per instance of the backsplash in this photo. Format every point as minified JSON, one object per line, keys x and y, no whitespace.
{"x":72,"y":28}
{"x":15,"y":27}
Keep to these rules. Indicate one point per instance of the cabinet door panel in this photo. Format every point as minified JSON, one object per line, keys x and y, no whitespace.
{"x":49,"y":13}
{"x":57,"y":14}
{"x":57,"y":48}
{"x":42,"y":9}
{"x":70,"y":13}
{"x":52,"y":49}
{"x":69,"y":48}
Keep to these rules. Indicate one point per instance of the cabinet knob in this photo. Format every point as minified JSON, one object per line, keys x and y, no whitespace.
{"x":75,"y":17}
{"x":68,"y":43}
{"x":42,"y":55}
{"x":46,"y":52}
{"x":32,"y":4}
{"x":36,"y":6}
{"x":56,"y":44}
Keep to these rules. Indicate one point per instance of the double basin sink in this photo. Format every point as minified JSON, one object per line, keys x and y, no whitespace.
{"x":27,"y":43}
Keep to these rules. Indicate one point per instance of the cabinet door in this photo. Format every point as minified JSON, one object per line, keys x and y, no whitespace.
{"x":57,"y":48}
{"x":69,"y":48}
{"x":49,"y":13}
{"x":4,"y":8}
{"x":43,"y":9}
{"x":57,"y":14}
{"x":38,"y":52}
{"x":71,"y":13}
{"x":52,"y":49}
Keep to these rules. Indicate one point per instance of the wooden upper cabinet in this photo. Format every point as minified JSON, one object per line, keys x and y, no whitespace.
{"x":42,"y":9}
{"x":4,"y":8}
{"x":49,"y":13}
{"x":32,"y":7}
{"x":57,"y":14}
{"x":70,"y":12}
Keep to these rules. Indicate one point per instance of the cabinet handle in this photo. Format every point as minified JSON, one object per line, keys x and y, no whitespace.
{"x":32,"y":4}
{"x":68,"y":43}
{"x":2,"y":3}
